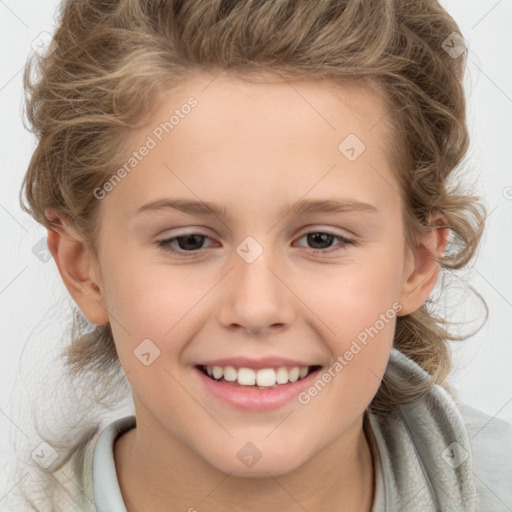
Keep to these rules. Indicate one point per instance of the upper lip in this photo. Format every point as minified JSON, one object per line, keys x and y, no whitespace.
{"x":246,"y":362}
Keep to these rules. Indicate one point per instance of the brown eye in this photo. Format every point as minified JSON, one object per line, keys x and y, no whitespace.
{"x":186,"y":243}
{"x":320,"y":238}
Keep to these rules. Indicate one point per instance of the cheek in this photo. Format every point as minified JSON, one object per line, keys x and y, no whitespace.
{"x":355,"y":311}
{"x":351,"y":297}
{"x":151,"y":315}
{"x":152,"y":302}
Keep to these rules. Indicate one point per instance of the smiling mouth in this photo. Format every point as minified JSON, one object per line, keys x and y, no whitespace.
{"x":267,"y":378}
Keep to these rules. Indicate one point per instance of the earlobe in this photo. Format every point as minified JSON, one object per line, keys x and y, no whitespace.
{"x":422,"y":274}
{"x":76,"y":264}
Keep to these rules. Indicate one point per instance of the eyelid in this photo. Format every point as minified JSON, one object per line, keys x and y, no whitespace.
{"x":316,"y":228}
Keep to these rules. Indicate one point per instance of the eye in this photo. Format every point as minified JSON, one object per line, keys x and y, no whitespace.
{"x":326,"y":238}
{"x":193,"y":243}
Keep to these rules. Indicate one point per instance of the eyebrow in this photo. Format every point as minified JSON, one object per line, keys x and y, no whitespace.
{"x":209,"y":209}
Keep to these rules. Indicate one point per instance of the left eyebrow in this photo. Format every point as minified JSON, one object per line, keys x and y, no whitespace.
{"x":209,"y":209}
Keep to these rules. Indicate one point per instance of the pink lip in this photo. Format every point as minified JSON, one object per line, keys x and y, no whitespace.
{"x":253,"y":399}
{"x":266,"y":362}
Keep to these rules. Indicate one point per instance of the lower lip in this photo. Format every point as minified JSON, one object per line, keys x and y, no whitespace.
{"x":254,"y":399}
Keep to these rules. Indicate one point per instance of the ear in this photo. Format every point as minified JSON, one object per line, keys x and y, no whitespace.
{"x":78,"y":267}
{"x":422,"y":270}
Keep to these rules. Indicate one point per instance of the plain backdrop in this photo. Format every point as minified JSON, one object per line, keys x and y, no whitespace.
{"x":34,"y":304}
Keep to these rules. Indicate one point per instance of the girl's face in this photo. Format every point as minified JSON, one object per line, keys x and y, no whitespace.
{"x":300,"y":258}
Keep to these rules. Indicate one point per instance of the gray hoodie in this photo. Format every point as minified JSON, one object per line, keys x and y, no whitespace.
{"x":435,"y":455}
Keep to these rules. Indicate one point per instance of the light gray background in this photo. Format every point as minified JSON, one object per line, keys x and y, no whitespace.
{"x":34,"y":304}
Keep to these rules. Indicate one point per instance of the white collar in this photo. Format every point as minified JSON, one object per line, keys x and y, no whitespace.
{"x":106,"y":491}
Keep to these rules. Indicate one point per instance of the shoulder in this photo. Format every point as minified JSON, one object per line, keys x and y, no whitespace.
{"x":74,"y":489}
{"x":62,"y":480}
{"x":87,"y":481}
{"x":491,"y":444}
{"x":438,"y":454}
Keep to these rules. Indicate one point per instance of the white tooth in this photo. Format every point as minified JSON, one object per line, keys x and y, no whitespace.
{"x":282,"y":375}
{"x":263,"y":378}
{"x":230,"y":374}
{"x":293,"y":374}
{"x":217,"y":372}
{"x":246,"y":377}
{"x":266,"y":377}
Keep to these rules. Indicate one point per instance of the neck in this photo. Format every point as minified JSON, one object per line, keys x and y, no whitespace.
{"x":340,"y":477}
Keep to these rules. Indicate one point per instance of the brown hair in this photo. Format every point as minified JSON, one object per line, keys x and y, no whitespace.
{"x":114,"y":60}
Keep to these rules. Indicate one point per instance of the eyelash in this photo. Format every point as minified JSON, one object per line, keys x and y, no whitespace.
{"x":165,"y":244}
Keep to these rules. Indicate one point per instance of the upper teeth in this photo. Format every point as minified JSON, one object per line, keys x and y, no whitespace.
{"x":264,"y":377}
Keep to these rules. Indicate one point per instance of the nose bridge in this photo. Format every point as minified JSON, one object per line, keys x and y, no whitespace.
{"x":257,"y":297}
{"x":253,"y":266}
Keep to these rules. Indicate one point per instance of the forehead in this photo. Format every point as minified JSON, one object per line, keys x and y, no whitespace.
{"x":319,"y":106}
{"x":242,"y":139}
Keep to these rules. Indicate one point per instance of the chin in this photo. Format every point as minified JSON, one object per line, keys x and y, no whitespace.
{"x":275,"y":464}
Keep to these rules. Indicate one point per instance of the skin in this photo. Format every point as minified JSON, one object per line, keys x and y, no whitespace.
{"x":255,"y":149}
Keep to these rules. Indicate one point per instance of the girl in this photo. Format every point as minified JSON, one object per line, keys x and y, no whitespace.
{"x":291,"y":359}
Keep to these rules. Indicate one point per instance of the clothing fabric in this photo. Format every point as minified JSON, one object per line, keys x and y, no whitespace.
{"x":431,"y":455}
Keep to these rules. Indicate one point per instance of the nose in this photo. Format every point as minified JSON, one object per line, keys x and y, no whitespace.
{"x":256,"y":297}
